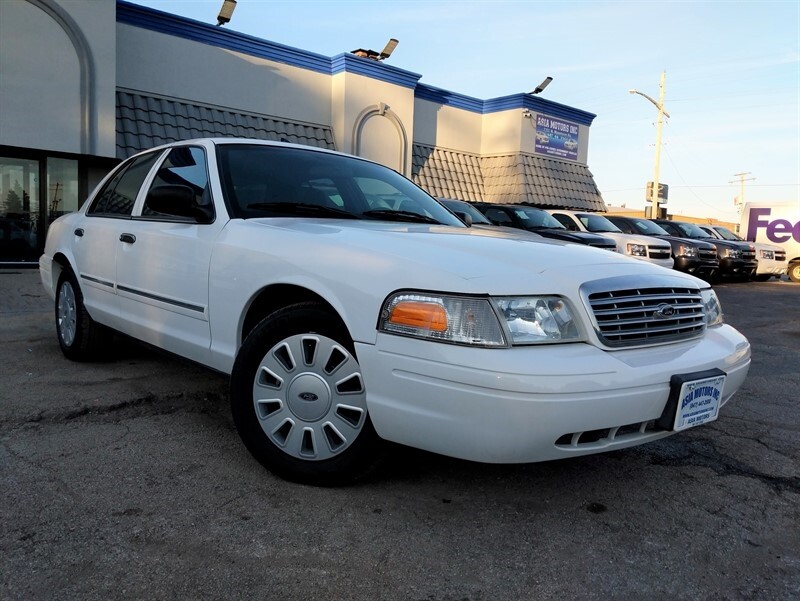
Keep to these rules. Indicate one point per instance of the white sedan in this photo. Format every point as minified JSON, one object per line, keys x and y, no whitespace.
{"x":349,"y":308}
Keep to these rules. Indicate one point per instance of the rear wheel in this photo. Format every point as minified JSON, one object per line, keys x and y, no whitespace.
{"x":80,"y":337}
{"x":298,"y":398}
{"x":794,"y":272}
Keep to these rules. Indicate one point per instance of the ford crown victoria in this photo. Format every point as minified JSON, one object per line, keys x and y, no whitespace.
{"x":350,"y":308}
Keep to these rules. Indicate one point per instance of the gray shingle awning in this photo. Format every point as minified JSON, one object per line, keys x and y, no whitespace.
{"x":522,"y":178}
{"x":512,"y":178}
{"x":447,"y":173}
{"x":147,"y":120}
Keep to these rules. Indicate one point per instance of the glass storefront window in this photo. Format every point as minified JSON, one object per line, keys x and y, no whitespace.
{"x":62,"y":188}
{"x":19,"y":209}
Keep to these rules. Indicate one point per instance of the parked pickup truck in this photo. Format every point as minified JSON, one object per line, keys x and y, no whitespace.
{"x":736,"y":259}
{"x":771,"y":258}
{"x":540,"y":222}
{"x":691,"y":256}
{"x":644,"y":248}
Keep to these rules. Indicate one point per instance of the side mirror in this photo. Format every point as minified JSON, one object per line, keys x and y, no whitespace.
{"x":465,"y":217}
{"x":178,"y":200}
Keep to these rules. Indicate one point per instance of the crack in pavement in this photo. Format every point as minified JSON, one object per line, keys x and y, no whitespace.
{"x":704,"y":453}
{"x":144,"y":406}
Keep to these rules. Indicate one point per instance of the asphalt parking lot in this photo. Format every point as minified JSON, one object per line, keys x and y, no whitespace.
{"x":126,"y":480}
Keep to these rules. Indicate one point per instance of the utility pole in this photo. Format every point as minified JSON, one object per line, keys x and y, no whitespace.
{"x":742,"y":180}
{"x":659,"y":124}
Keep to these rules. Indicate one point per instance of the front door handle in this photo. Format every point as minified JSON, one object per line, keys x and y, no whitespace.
{"x":129,"y":238}
{"x":78,"y":232}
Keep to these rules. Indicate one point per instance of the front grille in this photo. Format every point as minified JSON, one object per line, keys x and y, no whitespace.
{"x":707,"y":254}
{"x":646,"y":316}
{"x":660,"y":252}
{"x":749,"y":255}
{"x":604,"y":246}
{"x":780,"y":255}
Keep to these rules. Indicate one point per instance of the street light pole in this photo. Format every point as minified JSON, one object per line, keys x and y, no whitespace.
{"x":661,"y":112}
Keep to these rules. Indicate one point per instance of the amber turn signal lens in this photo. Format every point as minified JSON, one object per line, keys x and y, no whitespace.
{"x":415,"y":314}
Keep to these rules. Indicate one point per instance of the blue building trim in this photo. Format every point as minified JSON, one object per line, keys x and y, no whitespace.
{"x":162,"y":22}
{"x":350,"y":63}
{"x":503,"y":103}
{"x":189,"y":29}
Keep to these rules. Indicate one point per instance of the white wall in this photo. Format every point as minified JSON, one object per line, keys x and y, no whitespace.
{"x":57,"y":75}
{"x":447,"y":127}
{"x":166,"y":65}
{"x":364,"y":110}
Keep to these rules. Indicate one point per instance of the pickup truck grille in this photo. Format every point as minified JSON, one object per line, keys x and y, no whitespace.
{"x":780,"y":255}
{"x":707,"y":254}
{"x":660,"y":252}
{"x":647,"y":316}
{"x":604,"y":246}
{"x":749,"y":255}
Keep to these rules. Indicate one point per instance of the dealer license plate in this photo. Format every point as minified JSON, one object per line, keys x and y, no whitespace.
{"x":698,"y":402}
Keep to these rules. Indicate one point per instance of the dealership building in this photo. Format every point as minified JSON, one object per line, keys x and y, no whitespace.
{"x":87,"y":83}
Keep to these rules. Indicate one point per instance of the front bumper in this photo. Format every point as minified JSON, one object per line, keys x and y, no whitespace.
{"x":767,"y":267}
{"x":737,"y":267}
{"x":513,"y":405}
{"x":697,"y":267}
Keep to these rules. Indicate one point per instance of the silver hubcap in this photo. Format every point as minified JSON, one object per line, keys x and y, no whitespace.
{"x":67,"y":315}
{"x":309,"y":397}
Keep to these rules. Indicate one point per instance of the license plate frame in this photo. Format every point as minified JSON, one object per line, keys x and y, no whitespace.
{"x":694,"y":400}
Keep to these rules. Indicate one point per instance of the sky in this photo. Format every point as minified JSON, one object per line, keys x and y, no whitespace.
{"x":732,"y":77}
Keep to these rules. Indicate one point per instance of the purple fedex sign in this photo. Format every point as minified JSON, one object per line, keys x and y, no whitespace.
{"x":777,"y":230}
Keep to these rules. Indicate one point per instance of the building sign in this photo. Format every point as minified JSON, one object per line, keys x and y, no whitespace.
{"x":557,"y":138}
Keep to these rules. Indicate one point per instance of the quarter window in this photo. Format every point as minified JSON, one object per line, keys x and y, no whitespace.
{"x":119,"y":194}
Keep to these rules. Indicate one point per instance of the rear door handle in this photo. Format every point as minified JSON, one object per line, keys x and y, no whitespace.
{"x":129,"y":238}
{"x":78,"y":232}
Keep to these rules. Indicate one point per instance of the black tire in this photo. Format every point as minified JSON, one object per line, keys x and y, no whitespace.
{"x":298,"y":399}
{"x":763,"y":277}
{"x":794,"y":272}
{"x":80,"y":337}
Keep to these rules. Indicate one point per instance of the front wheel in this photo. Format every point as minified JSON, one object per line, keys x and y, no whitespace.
{"x":80,"y":337}
{"x":298,"y":398}
{"x":794,"y":272}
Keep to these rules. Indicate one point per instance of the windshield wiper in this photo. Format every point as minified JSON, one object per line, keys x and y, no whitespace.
{"x":400,"y":216}
{"x":301,"y":208}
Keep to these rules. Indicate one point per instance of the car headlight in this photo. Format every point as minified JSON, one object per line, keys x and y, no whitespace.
{"x":768,"y":254}
{"x":712,"y":308}
{"x":637,"y":250}
{"x":687,"y":251}
{"x":495,"y":322}
{"x":458,"y":320}
{"x":732,"y":253}
{"x":538,"y":319}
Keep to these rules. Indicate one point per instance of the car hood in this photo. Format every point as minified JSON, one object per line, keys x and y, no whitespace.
{"x":689,"y":242}
{"x":438,"y":257}
{"x":623,"y":238}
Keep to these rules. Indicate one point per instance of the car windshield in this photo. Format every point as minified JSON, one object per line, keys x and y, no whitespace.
{"x":537,"y":219}
{"x":597,"y":223}
{"x":647,"y":227}
{"x":726,"y":233}
{"x":277,"y":181}
{"x":690,"y":230}
{"x":464,"y":207}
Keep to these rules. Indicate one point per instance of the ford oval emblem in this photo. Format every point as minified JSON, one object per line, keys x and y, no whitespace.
{"x":308,"y":396}
{"x":664,"y":311}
